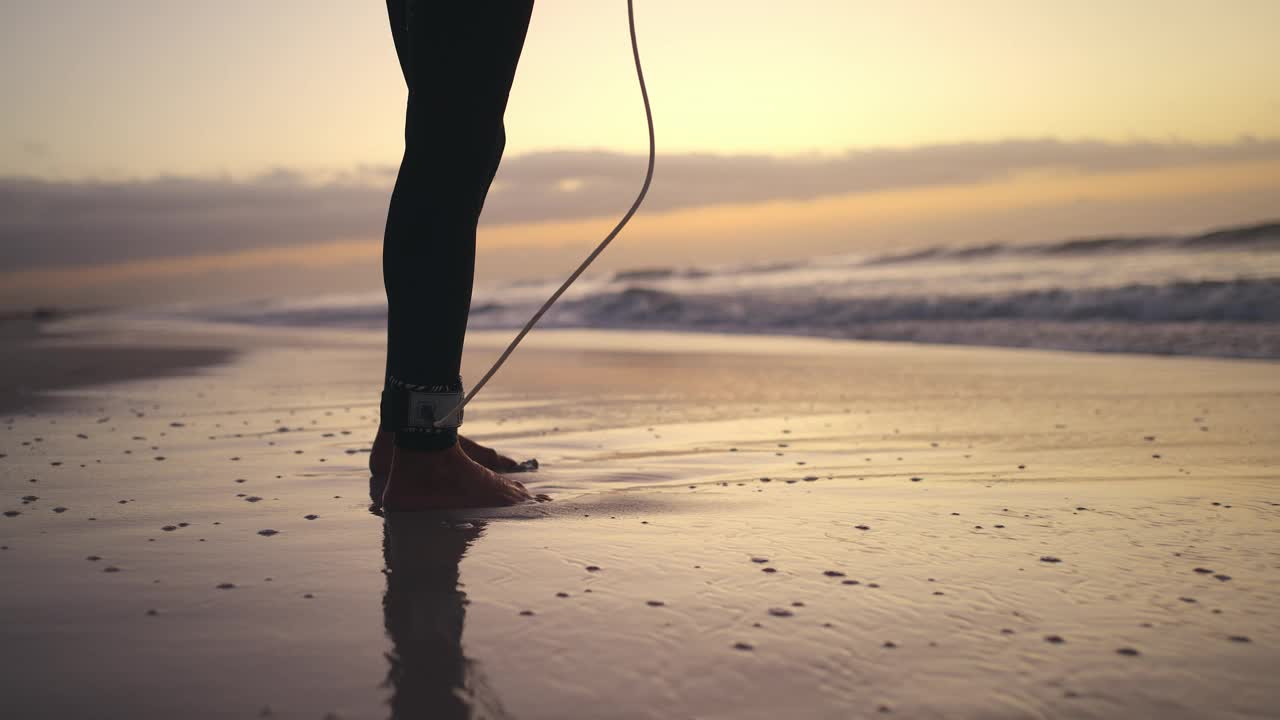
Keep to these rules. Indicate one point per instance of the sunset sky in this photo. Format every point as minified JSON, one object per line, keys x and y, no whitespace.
{"x":175,"y":141}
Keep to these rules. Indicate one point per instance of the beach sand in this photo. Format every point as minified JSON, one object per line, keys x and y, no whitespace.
{"x":743,"y":527}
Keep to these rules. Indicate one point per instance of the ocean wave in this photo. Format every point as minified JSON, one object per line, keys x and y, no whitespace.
{"x":1216,"y":293}
{"x":1239,"y":318}
{"x":1263,"y":236}
{"x":1237,"y":301}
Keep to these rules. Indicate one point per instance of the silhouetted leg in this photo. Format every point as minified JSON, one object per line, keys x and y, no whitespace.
{"x":459,"y":61}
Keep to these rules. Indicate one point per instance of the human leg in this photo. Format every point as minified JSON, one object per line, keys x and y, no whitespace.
{"x":459,"y":62}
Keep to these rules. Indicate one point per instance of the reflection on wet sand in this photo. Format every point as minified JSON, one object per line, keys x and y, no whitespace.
{"x":424,"y":610}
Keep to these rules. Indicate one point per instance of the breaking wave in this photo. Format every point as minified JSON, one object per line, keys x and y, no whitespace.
{"x":1263,"y":236}
{"x":1216,"y":293}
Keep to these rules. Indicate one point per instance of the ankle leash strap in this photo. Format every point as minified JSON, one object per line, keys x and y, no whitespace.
{"x":408,"y":408}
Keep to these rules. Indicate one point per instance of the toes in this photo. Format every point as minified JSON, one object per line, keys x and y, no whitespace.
{"x":492,"y":459}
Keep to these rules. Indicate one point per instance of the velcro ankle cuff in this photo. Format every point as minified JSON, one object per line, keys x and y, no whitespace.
{"x":412,"y":409}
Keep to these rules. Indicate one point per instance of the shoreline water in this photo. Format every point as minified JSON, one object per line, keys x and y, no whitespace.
{"x":743,"y":527}
{"x":40,"y":365}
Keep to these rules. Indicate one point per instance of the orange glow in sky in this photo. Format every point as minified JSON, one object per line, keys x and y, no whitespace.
{"x":148,"y":90}
{"x":148,"y":87}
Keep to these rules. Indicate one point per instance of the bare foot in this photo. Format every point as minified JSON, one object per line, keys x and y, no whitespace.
{"x":384,"y":445}
{"x":446,"y":479}
{"x":493,"y":459}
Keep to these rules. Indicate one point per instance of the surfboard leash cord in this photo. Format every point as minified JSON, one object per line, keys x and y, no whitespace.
{"x":644,"y":189}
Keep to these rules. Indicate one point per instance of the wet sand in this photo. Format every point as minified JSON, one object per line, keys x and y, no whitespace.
{"x":742,"y":528}
{"x":39,"y":361}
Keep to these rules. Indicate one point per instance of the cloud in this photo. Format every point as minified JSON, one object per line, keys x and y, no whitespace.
{"x":59,"y":224}
{"x":533,"y":185}
{"x":35,"y":148}
{"x":46,"y":224}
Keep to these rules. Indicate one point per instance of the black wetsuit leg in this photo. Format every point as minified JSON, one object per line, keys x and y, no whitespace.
{"x":459,"y":60}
